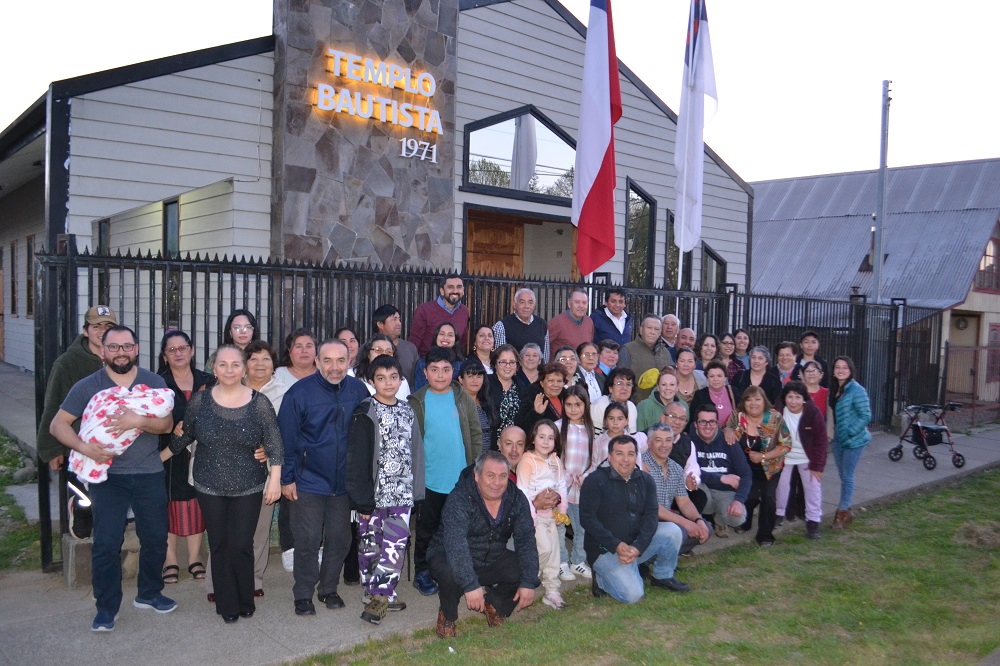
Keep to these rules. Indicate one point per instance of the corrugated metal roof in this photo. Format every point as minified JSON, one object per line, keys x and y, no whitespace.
{"x":810,"y":235}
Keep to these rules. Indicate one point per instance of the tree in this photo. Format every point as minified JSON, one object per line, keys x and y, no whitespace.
{"x":488,"y":172}
{"x":563,"y":187}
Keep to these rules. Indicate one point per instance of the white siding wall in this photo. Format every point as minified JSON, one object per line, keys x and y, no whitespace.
{"x":22,"y":214}
{"x":157,"y":138}
{"x":547,"y":252}
{"x":522,"y":52}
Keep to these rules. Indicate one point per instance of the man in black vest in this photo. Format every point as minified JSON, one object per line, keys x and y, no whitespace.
{"x":522,"y":326}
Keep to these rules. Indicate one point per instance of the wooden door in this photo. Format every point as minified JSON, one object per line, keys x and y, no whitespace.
{"x":963,"y":363}
{"x":494,"y":246}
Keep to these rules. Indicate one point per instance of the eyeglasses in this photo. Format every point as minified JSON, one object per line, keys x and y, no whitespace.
{"x":506,"y":363}
{"x":678,"y":417}
{"x":707,"y":424}
{"x":589,"y":354}
{"x":376,"y":350}
{"x":242,"y":329}
{"x":174,"y":350}
{"x":115,"y":348}
{"x":623,"y":384}
{"x":565,"y":359}
{"x":727,"y":343}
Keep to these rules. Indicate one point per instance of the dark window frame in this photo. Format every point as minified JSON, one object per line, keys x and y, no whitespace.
{"x":29,"y":276}
{"x":708,"y":254}
{"x":507,"y":193}
{"x":171,"y":250}
{"x":685,"y":280}
{"x":630,"y":186}
{"x":13,"y":278}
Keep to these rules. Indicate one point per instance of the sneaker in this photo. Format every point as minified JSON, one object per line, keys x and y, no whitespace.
{"x":396,"y":606}
{"x":780,"y":520}
{"x":159,"y":603}
{"x":720,"y":531}
{"x":375,"y":610}
{"x":104,"y":621}
{"x":425,"y":583}
{"x":554,"y":600}
{"x":582,"y":570}
{"x":671,"y":584}
{"x":565,"y":573}
{"x":332,"y":600}
{"x":288,"y":560}
{"x":304,"y":607}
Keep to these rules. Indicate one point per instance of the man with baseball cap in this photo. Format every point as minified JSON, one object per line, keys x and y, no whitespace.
{"x":83,"y":358}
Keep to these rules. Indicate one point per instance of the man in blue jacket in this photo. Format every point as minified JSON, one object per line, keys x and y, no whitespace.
{"x":725,"y":473}
{"x":612,"y":322}
{"x":314,"y":417}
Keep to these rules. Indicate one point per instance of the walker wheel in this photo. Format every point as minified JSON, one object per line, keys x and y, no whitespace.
{"x":929,"y":462}
{"x":919,"y":452}
{"x":896,"y":453}
{"x":958,"y":460}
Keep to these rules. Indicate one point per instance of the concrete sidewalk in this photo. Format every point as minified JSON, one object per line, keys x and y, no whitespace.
{"x":41,"y":621}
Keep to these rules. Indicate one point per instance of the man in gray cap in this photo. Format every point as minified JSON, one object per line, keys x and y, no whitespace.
{"x":83,"y":358}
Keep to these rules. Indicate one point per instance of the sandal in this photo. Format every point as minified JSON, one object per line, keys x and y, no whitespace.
{"x":171,"y":578}
{"x":197,"y":570}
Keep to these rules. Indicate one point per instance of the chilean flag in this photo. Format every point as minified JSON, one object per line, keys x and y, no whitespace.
{"x":594,"y":173}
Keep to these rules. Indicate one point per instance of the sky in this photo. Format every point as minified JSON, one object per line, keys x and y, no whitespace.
{"x":799,"y":82}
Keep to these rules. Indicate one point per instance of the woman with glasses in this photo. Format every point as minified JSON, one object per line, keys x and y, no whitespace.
{"x":239,"y":331}
{"x":505,"y":392}
{"x":379,"y":344}
{"x":176,"y":366}
{"x":619,"y":387}
{"x":812,"y":377}
{"x":727,"y":354}
{"x":566,"y":357}
{"x":300,"y":357}
{"x":587,"y":372}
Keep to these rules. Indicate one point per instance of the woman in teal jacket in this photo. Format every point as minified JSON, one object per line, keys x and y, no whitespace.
{"x":850,"y":412}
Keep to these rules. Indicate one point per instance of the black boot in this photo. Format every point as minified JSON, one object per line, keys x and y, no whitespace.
{"x":812,"y":529}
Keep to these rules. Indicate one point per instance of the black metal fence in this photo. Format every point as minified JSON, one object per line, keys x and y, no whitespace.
{"x":896,"y":348}
{"x":972,"y":379}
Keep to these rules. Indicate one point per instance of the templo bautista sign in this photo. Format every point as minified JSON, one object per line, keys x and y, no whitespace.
{"x":350,"y":67}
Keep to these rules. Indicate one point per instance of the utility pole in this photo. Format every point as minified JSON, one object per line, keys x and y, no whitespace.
{"x":880,"y":202}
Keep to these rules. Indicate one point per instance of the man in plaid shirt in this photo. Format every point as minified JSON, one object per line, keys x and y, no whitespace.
{"x":671,"y":495}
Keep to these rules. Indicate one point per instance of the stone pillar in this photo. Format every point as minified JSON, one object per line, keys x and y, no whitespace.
{"x":347,"y":187}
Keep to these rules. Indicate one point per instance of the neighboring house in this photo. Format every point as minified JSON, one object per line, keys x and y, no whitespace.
{"x":812,"y":236}
{"x":217,"y":152}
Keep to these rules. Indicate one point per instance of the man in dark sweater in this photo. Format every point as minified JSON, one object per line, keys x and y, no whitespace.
{"x":725,"y":472}
{"x":468,"y":554}
{"x":522,"y":326}
{"x":620,"y":517}
{"x":447,"y":307}
{"x":83,"y":358}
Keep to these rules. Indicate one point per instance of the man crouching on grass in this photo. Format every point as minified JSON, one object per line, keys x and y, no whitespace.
{"x":619,"y":513}
{"x":468,"y":553}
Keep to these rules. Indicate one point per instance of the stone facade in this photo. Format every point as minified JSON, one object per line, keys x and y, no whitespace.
{"x":342,"y":190}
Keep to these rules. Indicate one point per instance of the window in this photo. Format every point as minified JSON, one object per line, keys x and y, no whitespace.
{"x":171,"y":250}
{"x":713,"y":270}
{"x":673,"y":259}
{"x":640,"y":229}
{"x":29,"y":276}
{"x":519,"y":154}
{"x":13,"y":278}
{"x":103,"y":236}
{"x":988,"y":275}
{"x":171,"y":230}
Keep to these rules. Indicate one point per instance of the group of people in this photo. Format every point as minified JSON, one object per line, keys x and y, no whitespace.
{"x":523,"y":453}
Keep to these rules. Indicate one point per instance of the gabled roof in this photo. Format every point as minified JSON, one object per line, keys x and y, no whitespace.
{"x":811,"y":234}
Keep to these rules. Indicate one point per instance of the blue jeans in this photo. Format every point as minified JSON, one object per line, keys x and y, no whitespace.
{"x":623,"y":582}
{"x":847,"y":462}
{"x":147,"y":495}
{"x":577,"y":555}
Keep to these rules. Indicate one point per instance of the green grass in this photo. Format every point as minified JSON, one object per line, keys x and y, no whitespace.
{"x":912,"y":583}
{"x":19,"y":544}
